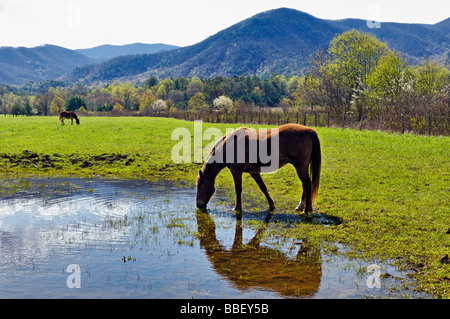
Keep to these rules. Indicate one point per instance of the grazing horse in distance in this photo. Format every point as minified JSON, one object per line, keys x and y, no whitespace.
{"x":68,"y":115}
{"x":290,"y":143}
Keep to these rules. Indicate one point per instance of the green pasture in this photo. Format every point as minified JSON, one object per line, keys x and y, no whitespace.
{"x":390,"y":191}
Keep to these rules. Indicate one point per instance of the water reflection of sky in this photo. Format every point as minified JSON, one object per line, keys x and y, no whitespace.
{"x":133,"y":239}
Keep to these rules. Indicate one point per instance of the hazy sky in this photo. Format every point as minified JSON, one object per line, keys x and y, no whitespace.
{"x":86,"y":23}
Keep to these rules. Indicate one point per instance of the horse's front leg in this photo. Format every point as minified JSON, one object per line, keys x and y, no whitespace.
{"x":237,"y":177}
{"x":258,"y":179}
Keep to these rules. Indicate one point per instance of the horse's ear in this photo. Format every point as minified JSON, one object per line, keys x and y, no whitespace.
{"x":200,"y":172}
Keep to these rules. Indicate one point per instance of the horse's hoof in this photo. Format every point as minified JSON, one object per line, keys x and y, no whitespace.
{"x":307,"y":213}
{"x":238,"y":213}
{"x":202,"y":210}
{"x":301,"y":206}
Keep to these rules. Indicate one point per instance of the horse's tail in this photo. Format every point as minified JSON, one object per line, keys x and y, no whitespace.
{"x":316,"y":160}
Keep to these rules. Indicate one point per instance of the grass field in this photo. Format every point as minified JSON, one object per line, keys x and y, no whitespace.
{"x":390,"y":191}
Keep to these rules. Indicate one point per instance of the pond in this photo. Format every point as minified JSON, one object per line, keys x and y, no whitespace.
{"x":93,"y":238}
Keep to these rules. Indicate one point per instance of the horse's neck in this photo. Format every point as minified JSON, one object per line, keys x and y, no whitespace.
{"x":211,"y":170}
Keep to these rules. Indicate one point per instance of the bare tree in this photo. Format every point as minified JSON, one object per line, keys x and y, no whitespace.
{"x":43,"y":102}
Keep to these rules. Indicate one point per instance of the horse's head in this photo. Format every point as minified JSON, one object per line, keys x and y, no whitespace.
{"x":205,"y":189}
{"x":78,"y":121}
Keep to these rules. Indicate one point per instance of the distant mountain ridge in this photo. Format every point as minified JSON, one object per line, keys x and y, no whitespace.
{"x":278,"y":41}
{"x":415,"y":40}
{"x":47,"y":62}
{"x":20,"y":65}
{"x":108,"y":51}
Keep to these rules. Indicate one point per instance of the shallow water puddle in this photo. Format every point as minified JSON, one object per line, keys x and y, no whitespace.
{"x":135,"y":239}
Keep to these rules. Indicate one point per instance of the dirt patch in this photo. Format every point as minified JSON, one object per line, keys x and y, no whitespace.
{"x":27,"y":158}
{"x":105,"y":158}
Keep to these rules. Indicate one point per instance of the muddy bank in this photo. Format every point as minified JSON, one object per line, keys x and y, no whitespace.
{"x":55,"y":160}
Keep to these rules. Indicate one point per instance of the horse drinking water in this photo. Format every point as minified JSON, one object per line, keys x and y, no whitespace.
{"x":68,"y":115}
{"x":248,"y":152}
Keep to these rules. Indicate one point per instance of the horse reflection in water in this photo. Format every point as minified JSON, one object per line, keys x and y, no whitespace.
{"x":255,"y":266}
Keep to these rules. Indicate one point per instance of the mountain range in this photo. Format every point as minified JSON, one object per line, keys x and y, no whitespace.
{"x":45,"y":62}
{"x":107,"y":51}
{"x":20,"y":65}
{"x":279,"y":41}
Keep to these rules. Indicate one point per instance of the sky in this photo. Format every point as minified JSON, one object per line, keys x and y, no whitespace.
{"x":79,"y":24}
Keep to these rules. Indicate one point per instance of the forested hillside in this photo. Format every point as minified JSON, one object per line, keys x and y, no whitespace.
{"x":275,"y":42}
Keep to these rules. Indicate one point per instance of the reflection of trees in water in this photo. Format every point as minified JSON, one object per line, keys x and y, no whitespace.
{"x":254,"y":266}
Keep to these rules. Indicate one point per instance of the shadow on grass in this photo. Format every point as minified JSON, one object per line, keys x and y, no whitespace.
{"x":281,"y":217}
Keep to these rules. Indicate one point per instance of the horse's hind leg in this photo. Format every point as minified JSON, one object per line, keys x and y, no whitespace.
{"x":302,"y":203}
{"x":258,"y":179}
{"x":305,"y":202}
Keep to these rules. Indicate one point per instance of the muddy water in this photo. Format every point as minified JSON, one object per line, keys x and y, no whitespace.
{"x":134,"y":239}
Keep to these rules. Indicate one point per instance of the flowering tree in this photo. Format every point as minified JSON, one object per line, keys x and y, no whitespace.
{"x":158,"y":105}
{"x":223,"y":104}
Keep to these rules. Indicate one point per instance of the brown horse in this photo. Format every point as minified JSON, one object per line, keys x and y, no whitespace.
{"x":68,"y":115}
{"x":290,"y":143}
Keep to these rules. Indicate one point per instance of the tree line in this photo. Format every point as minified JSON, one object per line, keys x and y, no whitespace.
{"x":358,"y":75}
{"x":152,"y":95}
